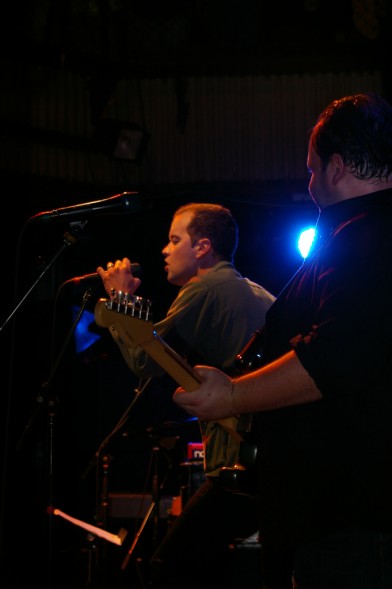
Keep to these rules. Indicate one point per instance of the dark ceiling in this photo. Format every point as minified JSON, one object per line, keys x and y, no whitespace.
{"x":119,"y":39}
{"x":197,"y":36}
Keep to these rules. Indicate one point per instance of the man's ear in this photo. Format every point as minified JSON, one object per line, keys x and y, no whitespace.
{"x":203,"y":246}
{"x":337,"y":166}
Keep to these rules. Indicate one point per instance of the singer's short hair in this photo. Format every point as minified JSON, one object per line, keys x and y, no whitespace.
{"x":215,"y":222}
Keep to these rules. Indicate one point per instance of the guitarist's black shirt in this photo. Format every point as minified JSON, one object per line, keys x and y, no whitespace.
{"x":326,"y":465}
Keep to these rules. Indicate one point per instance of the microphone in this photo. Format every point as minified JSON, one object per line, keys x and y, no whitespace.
{"x":136,"y":270}
{"x":126,"y":201}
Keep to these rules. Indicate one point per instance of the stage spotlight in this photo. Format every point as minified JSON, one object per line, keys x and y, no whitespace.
{"x":305,"y":241}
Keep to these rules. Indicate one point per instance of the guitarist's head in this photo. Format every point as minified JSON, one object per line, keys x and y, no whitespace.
{"x":200,"y":236}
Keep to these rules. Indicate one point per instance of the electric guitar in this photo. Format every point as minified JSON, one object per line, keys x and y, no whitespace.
{"x":132,"y":319}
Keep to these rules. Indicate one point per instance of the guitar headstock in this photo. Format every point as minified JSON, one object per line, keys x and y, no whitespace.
{"x":132,"y":305}
{"x":123,"y":310}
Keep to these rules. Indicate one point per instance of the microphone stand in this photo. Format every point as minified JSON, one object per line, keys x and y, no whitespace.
{"x":153,"y":510}
{"x":101,"y":462}
{"x":69,"y":238}
{"x":51,"y":403}
{"x":46,"y":385}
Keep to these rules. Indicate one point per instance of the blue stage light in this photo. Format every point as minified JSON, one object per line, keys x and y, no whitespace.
{"x":305,"y":241}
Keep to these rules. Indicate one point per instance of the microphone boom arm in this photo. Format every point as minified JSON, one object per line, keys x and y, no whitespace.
{"x":69,"y":238}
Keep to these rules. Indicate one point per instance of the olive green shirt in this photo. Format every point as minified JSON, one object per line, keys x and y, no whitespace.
{"x":209,"y":322}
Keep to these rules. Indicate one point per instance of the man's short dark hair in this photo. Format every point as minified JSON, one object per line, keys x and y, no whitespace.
{"x":215,"y":222}
{"x":359,"y":128}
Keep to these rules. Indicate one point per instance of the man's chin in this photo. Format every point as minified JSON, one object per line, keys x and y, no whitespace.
{"x":175,"y":280}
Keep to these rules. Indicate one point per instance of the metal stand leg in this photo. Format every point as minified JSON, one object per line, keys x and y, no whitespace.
{"x":153,"y":511}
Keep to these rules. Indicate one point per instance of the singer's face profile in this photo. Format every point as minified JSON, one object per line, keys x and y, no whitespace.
{"x":180,"y":255}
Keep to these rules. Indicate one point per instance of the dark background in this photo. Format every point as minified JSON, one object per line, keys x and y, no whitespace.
{"x":58,"y":405}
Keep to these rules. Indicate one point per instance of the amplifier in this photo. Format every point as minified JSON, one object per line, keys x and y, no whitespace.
{"x":195,"y":451}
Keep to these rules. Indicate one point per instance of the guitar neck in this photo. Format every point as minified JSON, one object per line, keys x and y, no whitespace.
{"x":133,"y":330}
{"x":172,"y":363}
{"x":136,"y":330}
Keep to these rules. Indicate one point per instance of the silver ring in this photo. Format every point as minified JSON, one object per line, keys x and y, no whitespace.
{"x":109,"y":265}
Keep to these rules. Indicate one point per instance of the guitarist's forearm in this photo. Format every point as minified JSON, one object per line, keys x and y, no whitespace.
{"x":282,"y":383}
